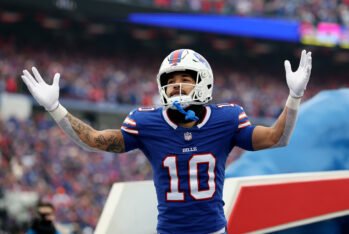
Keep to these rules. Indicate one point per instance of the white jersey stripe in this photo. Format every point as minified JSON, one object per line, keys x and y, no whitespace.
{"x":242,"y":116}
{"x":129,"y":130}
{"x":167,"y":119}
{"x":206,"y":118}
{"x":245,"y":124}
{"x":225,"y":104}
{"x":130,"y":121}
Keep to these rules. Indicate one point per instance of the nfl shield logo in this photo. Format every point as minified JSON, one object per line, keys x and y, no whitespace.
{"x":187,"y":136}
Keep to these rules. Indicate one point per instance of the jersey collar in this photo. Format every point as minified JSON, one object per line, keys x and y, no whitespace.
{"x":175,"y":126}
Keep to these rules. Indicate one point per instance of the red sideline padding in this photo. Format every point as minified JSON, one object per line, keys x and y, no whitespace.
{"x":265,"y":206}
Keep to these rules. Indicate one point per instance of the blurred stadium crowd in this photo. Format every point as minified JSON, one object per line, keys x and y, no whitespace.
{"x":131,"y":79}
{"x":78,"y":182}
{"x":306,"y":11}
{"x":75,"y":181}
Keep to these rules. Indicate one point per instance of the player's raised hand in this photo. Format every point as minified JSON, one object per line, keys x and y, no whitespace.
{"x":46,"y":95}
{"x":297,"y":81}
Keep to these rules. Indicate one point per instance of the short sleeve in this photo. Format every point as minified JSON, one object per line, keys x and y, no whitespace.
{"x":130,"y":132}
{"x":244,"y":131}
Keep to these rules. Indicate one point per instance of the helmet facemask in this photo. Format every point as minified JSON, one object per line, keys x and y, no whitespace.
{"x":185,"y":99}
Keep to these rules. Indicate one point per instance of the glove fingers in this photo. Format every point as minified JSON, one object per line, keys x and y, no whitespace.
{"x":27,"y":81}
{"x":37,"y":75}
{"x":309,"y":64}
{"x":308,"y":71}
{"x":287,"y":68}
{"x":303,"y":59}
{"x":309,"y":59}
{"x":30,"y":78}
{"x":56,"y":79}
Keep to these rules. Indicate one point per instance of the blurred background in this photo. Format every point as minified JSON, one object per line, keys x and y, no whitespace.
{"x":108,"y":53}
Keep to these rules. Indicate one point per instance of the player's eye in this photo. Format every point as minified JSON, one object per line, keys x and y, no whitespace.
{"x":187,"y":79}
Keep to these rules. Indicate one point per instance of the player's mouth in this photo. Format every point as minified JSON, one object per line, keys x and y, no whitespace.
{"x":177,"y":93}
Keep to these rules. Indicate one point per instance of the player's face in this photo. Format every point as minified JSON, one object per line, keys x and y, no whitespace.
{"x":175,"y":79}
{"x":47,"y":212}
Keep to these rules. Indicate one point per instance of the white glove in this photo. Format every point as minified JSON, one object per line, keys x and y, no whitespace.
{"x":297,"y":81}
{"x":46,"y":95}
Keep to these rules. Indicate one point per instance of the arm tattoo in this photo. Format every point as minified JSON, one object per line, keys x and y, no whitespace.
{"x":114,"y":142}
{"x":81,"y":129}
{"x":107,"y":140}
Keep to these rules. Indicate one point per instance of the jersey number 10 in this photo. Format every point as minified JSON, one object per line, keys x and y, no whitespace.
{"x":170,"y":162}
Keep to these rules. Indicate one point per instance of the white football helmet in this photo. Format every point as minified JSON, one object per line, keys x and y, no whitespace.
{"x":192,"y":62}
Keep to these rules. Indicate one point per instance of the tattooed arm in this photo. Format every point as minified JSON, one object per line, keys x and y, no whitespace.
{"x":82,"y":134}
{"x":85,"y":136}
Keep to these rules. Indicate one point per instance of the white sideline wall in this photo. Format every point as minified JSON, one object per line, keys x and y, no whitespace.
{"x":132,"y":207}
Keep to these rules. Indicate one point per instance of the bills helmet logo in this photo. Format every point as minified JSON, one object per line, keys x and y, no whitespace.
{"x":177,"y":56}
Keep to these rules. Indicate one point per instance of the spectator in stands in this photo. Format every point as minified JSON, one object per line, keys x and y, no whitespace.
{"x":43,"y":223}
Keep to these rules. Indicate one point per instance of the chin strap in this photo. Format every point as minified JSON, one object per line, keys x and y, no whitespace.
{"x":189,"y":115}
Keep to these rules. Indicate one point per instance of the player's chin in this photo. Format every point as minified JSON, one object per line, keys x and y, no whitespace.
{"x":177,"y":94}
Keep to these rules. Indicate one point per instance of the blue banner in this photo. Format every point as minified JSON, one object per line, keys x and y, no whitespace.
{"x":276,"y":29}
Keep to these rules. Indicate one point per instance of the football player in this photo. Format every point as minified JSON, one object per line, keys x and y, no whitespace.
{"x":187,"y":140}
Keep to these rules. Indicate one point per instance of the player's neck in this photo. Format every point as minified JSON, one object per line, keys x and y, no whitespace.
{"x":188,"y":125}
{"x":179,"y":118}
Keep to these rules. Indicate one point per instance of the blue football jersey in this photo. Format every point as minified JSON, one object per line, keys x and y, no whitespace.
{"x":188,"y":163}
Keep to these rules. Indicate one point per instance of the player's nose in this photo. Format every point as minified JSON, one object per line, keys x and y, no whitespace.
{"x":176,"y":85}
